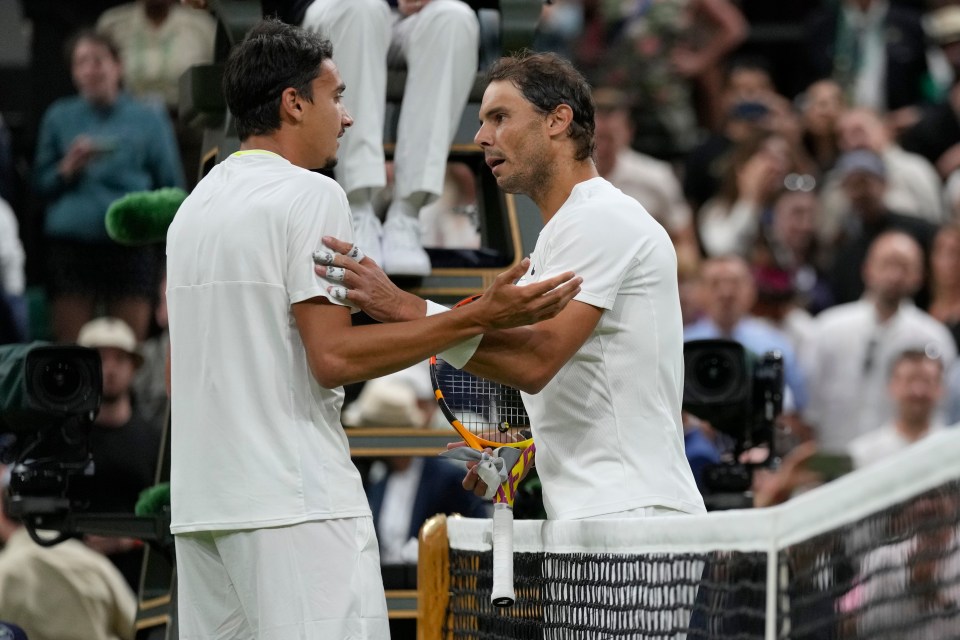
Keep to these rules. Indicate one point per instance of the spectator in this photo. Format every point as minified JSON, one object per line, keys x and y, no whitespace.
{"x":789,"y":244}
{"x":665,"y":51}
{"x":915,"y":388}
{"x":94,"y":148}
{"x":848,"y":41}
{"x":729,"y":222}
{"x":438,"y":42}
{"x":158,"y":41}
{"x":749,"y":110}
{"x":913,"y":186}
{"x":125,"y":447}
{"x":820,"y":108}
{"x":64,"y":592}
{"x":649,"y":181}
{"x":409,"y":490}
{"x":728,"y":294}
{"x":863,"y":176}
{"x":853,"y":345}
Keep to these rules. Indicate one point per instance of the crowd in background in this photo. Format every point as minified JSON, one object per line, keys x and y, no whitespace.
{"x":814,"y":201}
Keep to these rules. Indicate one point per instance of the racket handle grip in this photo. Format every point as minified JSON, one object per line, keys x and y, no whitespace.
{"x":502,"y":594}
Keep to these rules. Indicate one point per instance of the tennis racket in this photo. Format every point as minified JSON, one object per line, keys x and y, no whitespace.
{"x":488,"y":414}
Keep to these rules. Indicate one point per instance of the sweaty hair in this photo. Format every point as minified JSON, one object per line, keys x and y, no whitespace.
{"x":546,"y":81}
{"x":272,"y":58}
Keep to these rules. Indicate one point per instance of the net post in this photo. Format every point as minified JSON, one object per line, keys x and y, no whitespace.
{"x":433,"y":579}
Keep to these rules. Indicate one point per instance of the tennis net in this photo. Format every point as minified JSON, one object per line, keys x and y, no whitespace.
{"x":875,"y":554}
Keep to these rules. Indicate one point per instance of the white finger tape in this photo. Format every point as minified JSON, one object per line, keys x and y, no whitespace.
{"x":356,"y":253}
{"x":336,"y":273}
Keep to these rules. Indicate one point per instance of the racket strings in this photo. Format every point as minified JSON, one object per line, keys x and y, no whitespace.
{"x":487,"y":409}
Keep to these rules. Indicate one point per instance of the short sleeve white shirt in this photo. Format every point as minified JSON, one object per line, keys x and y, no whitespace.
{"x":607,"y":426}
{"x":256,"y":441}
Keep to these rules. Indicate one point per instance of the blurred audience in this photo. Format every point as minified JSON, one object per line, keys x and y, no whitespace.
{"x":915,"y":387}
{"x":158,"y":41}
{"x":850,"y":42}
{"x":820,"y":106}
{"x":853,"y":345}
{"x":728,"y":293}
{"x":863,"y":177}
{"x":94,"y":148}
{"x":125,"y":447}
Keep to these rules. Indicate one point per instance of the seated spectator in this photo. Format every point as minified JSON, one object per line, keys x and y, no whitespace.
{"x":63,"y":592}
{"x":408,"y":490}
{"x":789,"y":243}
{"x":915,"y":388}
{"x":821,"y":105}
{"x":94,"y":148}
{"x":730,"y":221}
{"x":125,"y":447}
{"x":150,"y":381}
{"x":853,"y":345}
{"x":158,"y":41}
{"x":863,"y":176}
{"x":913,"y":185}
{"x":437,"y":41}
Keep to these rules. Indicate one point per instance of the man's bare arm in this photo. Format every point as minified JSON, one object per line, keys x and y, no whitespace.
{"x":525,"y":357}
{"x":340,"y":353}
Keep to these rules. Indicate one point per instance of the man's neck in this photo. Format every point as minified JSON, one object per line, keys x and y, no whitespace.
{"x":157,"y":13}
{"x":115,"y":413}
{"x":551,"y":197}
{"x":885,"y":309}
{"x":912,"y":430}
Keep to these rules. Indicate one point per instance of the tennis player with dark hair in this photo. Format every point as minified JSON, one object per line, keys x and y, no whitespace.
{"x":603,"y":380}
{"x":274,"y":537}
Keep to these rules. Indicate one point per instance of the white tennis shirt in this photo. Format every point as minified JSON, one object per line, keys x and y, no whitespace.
{"x":256,"y":441}
{"x":607,"y":426}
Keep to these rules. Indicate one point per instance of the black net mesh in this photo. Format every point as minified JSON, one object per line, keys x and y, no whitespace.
{"x":894,"y":574}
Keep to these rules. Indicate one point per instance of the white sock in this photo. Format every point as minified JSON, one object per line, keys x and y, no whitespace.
{"x":360,"y":209}
{"x":402,"y":208}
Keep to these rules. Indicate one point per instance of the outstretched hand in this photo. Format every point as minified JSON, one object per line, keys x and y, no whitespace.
{"x":505,"y":305}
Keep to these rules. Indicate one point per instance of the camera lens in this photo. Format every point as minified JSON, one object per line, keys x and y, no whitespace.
{"x":60,"y":381}
{"x":714,"y":371}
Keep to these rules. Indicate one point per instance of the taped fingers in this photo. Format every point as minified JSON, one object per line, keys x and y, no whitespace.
{"x":356,"y":253}
{"x":337,"y":274}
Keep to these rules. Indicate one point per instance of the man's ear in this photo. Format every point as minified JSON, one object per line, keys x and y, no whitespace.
{"x":291,"y":108}
{"x":559,"y":120}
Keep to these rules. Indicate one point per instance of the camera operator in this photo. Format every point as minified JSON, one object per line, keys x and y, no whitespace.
{"x":125,"y":445}
{"x":64,"y":592}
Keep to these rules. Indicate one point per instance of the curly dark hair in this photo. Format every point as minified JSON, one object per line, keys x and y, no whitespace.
{"x":272,"y":58}
{"x":546,"y":81}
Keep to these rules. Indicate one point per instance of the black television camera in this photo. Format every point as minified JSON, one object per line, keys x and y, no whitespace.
{"x":741,"y":395}
{"x":49,"y":396}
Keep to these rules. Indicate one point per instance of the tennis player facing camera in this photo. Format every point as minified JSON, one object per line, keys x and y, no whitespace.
{"x":274,"y":537}
{"x":603,"y":380}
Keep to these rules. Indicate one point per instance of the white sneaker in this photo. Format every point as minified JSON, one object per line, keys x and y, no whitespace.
{"x":368,"y":235}
{"x":403,"y":254}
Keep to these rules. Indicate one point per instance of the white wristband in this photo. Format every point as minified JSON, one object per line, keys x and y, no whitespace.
{"x":458,"y":355}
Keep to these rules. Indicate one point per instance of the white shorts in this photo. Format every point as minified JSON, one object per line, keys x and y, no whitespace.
{"x":312,"y":581}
